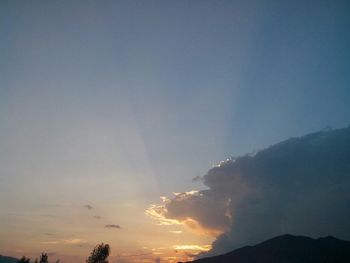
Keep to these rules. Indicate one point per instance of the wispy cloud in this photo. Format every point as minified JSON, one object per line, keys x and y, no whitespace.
{"x":158,"y":213}
{"x":192,"y":247}
{"x":89,"y":207}
{"x":74,"y":241}
{"x":197,"y":179}
{"x":175,"y":231}
{"x":112,"y":226}
{"x":50,"y":242}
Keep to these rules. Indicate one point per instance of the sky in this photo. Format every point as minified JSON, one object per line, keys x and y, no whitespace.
{"x":106,"y":106}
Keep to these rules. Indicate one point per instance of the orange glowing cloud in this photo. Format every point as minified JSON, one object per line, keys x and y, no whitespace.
{"x":192,"y":247}
{"x":202,"y":214}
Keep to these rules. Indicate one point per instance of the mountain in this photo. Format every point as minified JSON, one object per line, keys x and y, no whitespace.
{"x":4,"y":259}
{"x":288,"y":249}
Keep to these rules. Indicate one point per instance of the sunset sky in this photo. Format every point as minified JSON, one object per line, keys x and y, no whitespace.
{"x":110,"y":109}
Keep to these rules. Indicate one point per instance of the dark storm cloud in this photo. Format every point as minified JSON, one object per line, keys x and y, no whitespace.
{"x":202,"y":211}
{"x":112,"y":226}
{"x":299,"y":186}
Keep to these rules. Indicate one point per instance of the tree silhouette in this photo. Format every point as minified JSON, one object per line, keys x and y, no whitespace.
{"x":24,"y":260}
{"x":44,"y":258}
{"x":99,"y":254}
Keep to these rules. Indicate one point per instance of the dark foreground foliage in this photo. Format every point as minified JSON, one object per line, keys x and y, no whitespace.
{"x":98,"y":255}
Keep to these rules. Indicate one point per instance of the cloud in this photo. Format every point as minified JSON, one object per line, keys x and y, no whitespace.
{"x":113,"y":226}
{"x":53,"y":242}
{"x":203,"y":212}
{"x":175,"y":232}
{"x":88,"y":207}
{"x":73,"y":241}
{"x":192,"y":247}
{"x":197,"y":179}
{"x":76,"y":242}
{"x":299,"y":186}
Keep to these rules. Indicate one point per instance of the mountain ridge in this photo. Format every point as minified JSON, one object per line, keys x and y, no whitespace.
{"x":288,"y":249}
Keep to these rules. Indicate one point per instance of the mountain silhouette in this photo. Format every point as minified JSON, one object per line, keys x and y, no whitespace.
{"x":288,"y":249}
{"x":4,"y":259}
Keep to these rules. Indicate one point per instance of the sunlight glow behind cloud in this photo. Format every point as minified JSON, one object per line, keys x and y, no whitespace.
{"x":192,"y":247}
{"x":189,"y":209}
{"x":294,"y":186}
{"x":156,"y":212}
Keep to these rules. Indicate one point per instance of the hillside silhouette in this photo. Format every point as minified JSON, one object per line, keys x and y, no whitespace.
{"x":4,"y":259}
{"x":288,"y":249}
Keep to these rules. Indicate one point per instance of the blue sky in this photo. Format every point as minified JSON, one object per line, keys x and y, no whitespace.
{"x":135,"y":98}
